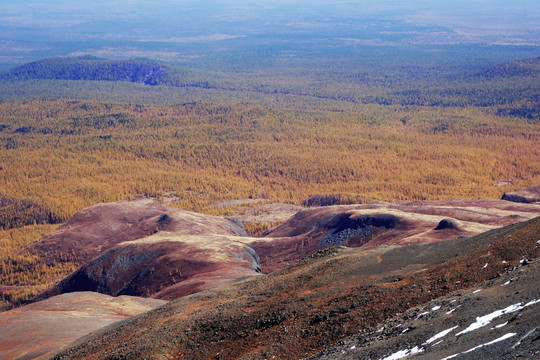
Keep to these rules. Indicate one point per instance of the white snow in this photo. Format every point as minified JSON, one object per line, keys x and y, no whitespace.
{"x":404,"y":331}
{"x":504,"y":262}
{"x":422,"y":314}
{"x":453,"y":301}
{"x":438,"y":342}
{"x":353,"y":347}
{"x":485,"y":266}
{"x":440,"y":335}
{"x":506,"y":283}
{"x":435,"y":308}
{"x":532,"y":302}
{"x":476,"y":291}
{"x":451,"y":311}
{"x":499,"y":326}
{"x":482,"y":321}
{"x":504,"y":337}
{"x":404,"y":353}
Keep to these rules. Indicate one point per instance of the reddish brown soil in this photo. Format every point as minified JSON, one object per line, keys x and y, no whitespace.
{"x":38,"y":330}
{"x":94,"y":230}
{"x":145,"y":249}
{"x":162,"y":266}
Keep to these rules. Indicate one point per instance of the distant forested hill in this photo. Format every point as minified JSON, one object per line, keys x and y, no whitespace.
{"x":524,"y":67}
{"x":91,"y":68}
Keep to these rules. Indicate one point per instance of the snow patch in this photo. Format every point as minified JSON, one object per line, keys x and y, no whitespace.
{"x":440,"y":335}
{"x":504,"y":337}
{"x":499,"y":326}
{"x":532,"y":302}
{"x":435,"y":308}
{"x":450,"y":311}
{"x":404,"y":353}
{"x":485,"y":266}
{"x":422,"y":314}
{"x":476,"y":291}
{"x":353,"y":347}
{"x":482,"y":321}
{"x":506,"y":283}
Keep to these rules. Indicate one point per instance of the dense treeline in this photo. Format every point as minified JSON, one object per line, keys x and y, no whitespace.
{"x":16,"y":213}
{"x":66,"y":155}
{"x":517,"y":68}
{"x":330,"y":84}
{"x":23,"y":276}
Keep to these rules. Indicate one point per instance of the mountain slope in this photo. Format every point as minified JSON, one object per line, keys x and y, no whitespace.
{"x":497,"y":320}
{"x":303,"y":308}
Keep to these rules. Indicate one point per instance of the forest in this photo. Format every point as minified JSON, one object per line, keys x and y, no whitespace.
{"x":79,"y":131}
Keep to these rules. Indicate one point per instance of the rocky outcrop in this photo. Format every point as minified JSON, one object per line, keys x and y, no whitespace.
{"x":447,"y":224}
{"x":496,"y":320}
{"x":530,"y":195}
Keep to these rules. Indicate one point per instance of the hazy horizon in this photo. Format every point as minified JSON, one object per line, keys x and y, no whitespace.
{"x":176,"y":31}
